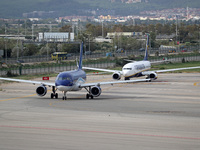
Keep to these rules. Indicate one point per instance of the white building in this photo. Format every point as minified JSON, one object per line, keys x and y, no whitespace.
{"x":127,"y":34}
{"x":56,"y":37}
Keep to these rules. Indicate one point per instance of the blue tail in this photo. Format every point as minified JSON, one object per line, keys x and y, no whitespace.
{"x":81,"y":54}
{"x":147,"y":47}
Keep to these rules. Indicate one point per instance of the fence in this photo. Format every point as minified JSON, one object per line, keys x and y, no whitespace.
{"x":45,"y":58}
{"x":49,"y":68}
{"x":101,"y":63}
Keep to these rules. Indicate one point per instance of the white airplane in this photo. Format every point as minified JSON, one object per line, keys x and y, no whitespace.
{"x":73,"y":80}
{"x":138,"y":68}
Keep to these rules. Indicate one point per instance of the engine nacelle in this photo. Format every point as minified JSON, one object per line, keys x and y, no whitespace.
{"x":95,"y":91}
{"x":153,"y":76}
{"x":116,"y":76}
{"x":41,"y":90}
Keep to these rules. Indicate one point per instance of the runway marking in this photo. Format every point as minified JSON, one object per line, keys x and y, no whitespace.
{"x":17,"y":98}
{"x":101,"y":132}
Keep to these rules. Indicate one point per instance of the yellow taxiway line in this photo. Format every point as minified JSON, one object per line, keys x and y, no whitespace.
{"x":17,"y":98}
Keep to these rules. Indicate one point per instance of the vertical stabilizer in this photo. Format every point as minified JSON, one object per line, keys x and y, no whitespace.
{"x":147,"y":48}
{"x":81,"y":55}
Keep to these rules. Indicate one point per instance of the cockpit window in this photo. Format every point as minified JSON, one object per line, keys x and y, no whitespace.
{"x":127,"y":68}
{"x":63,"y":78}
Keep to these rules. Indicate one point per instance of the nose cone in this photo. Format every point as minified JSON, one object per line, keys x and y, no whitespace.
{"x":125,"y":73}
{"x":64,"y":88}
{"x":64,"y":85}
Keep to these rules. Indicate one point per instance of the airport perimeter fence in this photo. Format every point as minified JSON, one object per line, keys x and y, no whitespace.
{"x":126,"y":53}
{"x":110,"y":62}
{"x":48,"y":68}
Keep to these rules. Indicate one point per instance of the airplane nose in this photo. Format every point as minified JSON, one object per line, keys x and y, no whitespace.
{"x":125,"y":73}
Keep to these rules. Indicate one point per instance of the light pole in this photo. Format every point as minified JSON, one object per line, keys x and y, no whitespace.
{"x":199,"y":38}
{"x":32,"y":32}
{"x":5,"y":38}
{"x":176,"y":28}
{"x":89,"y":42}
{"x":18,"y":44}
{"x":102,"y":30}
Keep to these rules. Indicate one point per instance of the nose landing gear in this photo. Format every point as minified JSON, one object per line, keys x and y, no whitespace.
{"x":65,"y":96}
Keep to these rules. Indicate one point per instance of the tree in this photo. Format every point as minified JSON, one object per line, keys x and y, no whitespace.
{"x":159,"y":28}
{"x":30,"y":49}
{"x":153,"y":38}
{"x":66,"y":28}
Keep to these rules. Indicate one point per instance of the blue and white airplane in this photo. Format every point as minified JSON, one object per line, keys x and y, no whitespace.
{"x":138,"y":68}
{"x":71,"y":81}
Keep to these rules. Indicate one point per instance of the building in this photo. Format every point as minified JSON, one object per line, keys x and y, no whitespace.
{"x":127,"y":34}
{"x":56,"y":37}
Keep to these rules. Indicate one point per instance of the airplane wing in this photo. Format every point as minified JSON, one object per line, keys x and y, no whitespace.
{"x":112,"y":82}
{"x":176,"y":69}
{"x":98,"y":69}
{"x":152,"y":62}
{"x":161,"y":61}
{"x":129,"y":60}
{"x":168,"y":70}
{"x":29,"y":81}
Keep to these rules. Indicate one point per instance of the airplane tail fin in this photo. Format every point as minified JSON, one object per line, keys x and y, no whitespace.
{"x":147,"y":48}
{"x":81,"y":54}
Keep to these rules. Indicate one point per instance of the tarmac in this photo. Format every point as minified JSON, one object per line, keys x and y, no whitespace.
{"x":159,"y":115}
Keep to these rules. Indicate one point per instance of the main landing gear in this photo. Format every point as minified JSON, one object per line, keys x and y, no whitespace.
{"x":54,"y":94}
{"x":148,"y":80}
{"x":89,"y":95}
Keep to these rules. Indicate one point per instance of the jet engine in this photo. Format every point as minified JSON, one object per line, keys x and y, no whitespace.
{"x":41,"y":90}
{"x":95,"y":91}
{"x":116,"y":76}
{"x":153,"y":76}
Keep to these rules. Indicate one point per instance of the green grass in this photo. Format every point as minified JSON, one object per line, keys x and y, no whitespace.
{"x":178,"y":65}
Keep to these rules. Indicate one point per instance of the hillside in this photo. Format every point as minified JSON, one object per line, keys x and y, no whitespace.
{"x":15,"y":9}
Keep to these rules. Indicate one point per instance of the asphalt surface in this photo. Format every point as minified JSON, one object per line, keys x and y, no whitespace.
{"x":160,"y":115}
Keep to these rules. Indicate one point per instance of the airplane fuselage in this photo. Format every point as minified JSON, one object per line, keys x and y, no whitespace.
{"x":134,"y":69}
{"x":70,"y":80}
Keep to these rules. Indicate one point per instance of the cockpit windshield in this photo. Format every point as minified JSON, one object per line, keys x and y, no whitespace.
{"x":63,"y":78}
{"x":127,"y":68}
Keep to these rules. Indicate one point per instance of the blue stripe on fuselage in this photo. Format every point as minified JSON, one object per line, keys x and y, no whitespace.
{"x":69,"y":78}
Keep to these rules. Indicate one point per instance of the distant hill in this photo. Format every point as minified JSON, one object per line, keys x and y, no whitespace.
{"x":15,"y":8}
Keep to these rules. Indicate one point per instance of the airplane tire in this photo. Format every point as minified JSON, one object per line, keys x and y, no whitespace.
{"x":87,"y":96}
{"x":64,"y":98}
{"x":56,"y":95}
{"x":52,"y":95}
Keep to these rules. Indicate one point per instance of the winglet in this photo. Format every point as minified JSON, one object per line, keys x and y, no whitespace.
{"x":81,"y":54}
{"x":147,"y":47}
